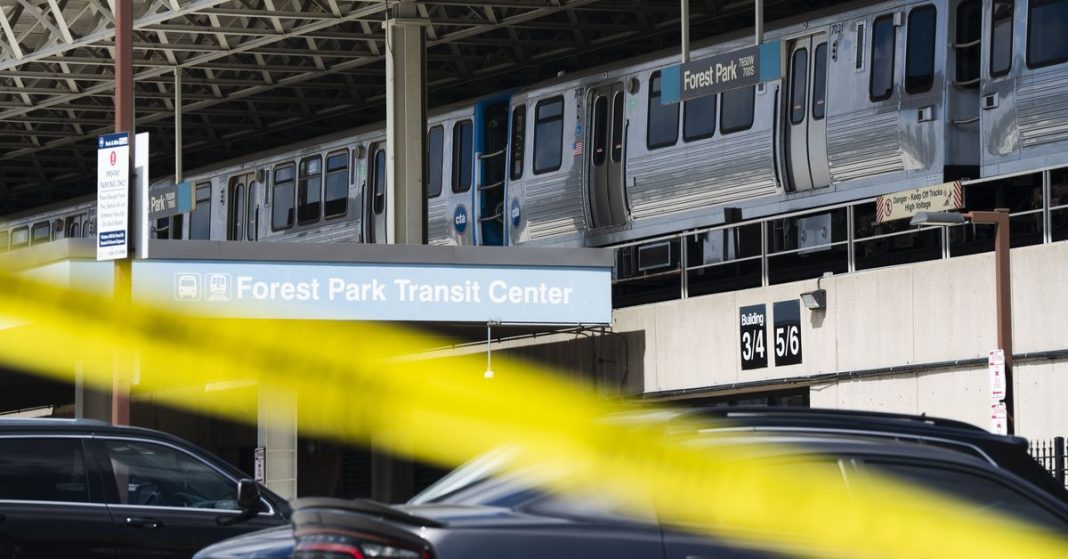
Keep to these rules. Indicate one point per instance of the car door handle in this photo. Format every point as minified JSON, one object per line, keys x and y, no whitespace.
{"x":150,"y":523}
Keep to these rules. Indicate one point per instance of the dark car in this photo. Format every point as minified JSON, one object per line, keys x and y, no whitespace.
{"x":88,"y":489}
{"x":473,"y":512}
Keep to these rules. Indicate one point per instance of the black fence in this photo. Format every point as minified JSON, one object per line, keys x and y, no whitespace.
{"x":1050,"y":453}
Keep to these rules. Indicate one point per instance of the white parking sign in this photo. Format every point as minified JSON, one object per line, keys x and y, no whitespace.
{"x":112,"y":195}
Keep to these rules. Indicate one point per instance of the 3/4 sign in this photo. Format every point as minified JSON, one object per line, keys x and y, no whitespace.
{"x":787,"y":332}
{"x":753,"y":337}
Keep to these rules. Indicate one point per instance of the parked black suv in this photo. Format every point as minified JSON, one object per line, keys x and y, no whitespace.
{"x":88,"y":489}
{"x":474,"y":513}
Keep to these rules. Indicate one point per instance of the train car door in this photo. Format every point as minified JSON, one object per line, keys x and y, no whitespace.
{"x":805,"y":123}
{"x":375,"y":189}
{"x":604,"y":164}
{"x":998,"y":104}
{"x":491,"y":123}
{"x":239,"y":200}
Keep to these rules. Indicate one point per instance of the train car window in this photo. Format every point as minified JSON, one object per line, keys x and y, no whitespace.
{"x":309,"y":190}
{"x":435,"y":145}
{"x":378,"y":204}
{"x":519,"y":137}
{"x":600,"y":130}
{"x":57,"y":229}
{"x":235,"y":219}
{"x":969,"y":34}
{"x":200,"y":217}
{"x":41,"y":233}
{"x":282,"y":192}
{"x":336,"y":196}
{"x":861,"y":26}
{"x":617,"y":127}
{"x":736,"y":112}
{"x":663,"y":120}
{"x":462,"y":143}
{"x":798,"y":85}
{"x":4,"y":237}
{"x":881,"y":85}
{"x":1001,"y":38}
{"x":20,"y":237}
{"x":699,"y":118}
{"x":920,"y":49}
{"x":1047,"y":43}
{"x":549,"y":135}
{"x":163,"y":228}
{"x":819,"y":81}
{"x":177,"y":224}
{"x":252,"y":215}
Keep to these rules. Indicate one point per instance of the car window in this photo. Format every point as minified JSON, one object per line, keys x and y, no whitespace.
{"x":43,"y":470}
{"x":155,"y":475}
{"x":978,"y":489}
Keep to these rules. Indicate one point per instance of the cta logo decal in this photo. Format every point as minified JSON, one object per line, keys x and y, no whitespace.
{"x":459,"y":219}
{"x":516,"y":213}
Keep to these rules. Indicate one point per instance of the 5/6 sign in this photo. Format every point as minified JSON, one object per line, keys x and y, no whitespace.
{"x":787,"y":332}
{"x":753,"y":337}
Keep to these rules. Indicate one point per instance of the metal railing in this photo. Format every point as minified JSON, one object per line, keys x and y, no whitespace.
{"x":1050,"y":454}
{"x":783,"y":258}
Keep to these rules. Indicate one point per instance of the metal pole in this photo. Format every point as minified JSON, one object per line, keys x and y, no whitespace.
{"x":759,"y":23}
{"x":685,"y":22}
{"x":124,"y":122}
{"x":489,"y":349}
{"x":177,"y":124}
{"x":1058,"y":459}
{"x":1003,"y":299}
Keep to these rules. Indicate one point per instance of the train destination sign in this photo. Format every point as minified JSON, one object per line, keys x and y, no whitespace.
{"x":380,"y":291}
{"x":171,"y":200}
{"x":907,"y":203}
{"x":722,"y":72}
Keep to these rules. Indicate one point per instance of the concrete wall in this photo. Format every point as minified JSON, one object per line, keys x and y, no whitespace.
{"x":916,"y":314}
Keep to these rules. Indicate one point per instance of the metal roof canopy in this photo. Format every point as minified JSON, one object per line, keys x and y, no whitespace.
{"x":251,"y":70}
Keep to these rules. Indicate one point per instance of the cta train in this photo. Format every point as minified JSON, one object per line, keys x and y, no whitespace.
{"x":875,"y":98}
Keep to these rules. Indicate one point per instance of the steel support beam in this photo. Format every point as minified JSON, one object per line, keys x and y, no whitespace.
{"x":124,"y":122}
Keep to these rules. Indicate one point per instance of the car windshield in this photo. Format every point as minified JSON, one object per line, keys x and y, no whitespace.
{"x":473,"y":473}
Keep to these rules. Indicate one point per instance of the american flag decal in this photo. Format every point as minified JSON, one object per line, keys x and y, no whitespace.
{"x":577,"y":150}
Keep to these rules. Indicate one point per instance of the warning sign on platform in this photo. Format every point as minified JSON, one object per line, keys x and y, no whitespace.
{"x":996,"y":367}
{"x":112,"y":195}
{"x":999,"y":418}
{"x":907,"y":203}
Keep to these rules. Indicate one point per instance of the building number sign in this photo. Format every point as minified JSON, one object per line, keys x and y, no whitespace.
{"x":754,"y":337}
{"x":787,"y":332}
{"x":784,"y":340}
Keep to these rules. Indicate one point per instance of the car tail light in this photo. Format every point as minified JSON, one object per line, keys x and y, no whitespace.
{"x":350,"y":546}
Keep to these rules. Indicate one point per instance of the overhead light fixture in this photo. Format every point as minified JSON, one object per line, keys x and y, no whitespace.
{"x":815,"y":300}
{"x":944,"y":219}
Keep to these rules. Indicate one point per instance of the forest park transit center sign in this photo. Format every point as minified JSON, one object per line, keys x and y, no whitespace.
{"x":526,"y":294}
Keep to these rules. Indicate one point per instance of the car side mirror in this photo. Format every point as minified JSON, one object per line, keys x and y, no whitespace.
{"x":248,"y":496}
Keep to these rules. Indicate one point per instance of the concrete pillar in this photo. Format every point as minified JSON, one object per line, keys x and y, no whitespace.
{"x":90,"y":403}
{"x":277,"y":435}
{"x":406,"y":126}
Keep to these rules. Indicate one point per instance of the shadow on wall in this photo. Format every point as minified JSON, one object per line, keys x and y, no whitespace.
{"x":611,"y":362}
{"x":816,"y":317}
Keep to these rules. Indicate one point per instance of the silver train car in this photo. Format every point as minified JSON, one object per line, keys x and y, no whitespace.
{"x":876,"y":98}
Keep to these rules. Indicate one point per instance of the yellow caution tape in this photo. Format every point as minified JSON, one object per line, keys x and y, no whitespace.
{"x":351,"y":383}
